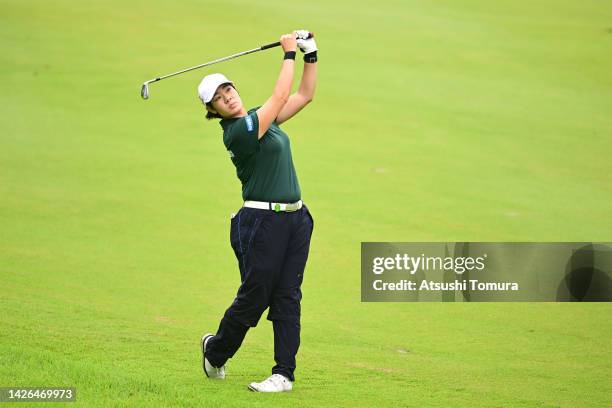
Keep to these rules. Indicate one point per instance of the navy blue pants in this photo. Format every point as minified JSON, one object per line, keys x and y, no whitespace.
{"x":271,"y":249}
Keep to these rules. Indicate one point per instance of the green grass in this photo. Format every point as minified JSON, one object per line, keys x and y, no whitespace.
{"x":433,"y":121}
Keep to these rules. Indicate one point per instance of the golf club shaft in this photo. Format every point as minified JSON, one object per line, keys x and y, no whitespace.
{"x":263,"y":47}
{"x":144,"y":91}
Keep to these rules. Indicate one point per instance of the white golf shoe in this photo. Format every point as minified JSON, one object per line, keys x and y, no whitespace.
{"x":274,"y":383}
{"x":209,"y":369}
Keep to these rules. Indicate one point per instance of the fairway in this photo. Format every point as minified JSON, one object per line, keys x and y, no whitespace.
{"x":432,"y":121}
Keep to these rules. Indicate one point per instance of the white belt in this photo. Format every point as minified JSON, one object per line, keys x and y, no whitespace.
{"x":263,"y":205}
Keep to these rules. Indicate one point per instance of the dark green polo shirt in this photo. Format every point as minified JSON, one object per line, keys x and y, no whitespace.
{"x":264,"y":166}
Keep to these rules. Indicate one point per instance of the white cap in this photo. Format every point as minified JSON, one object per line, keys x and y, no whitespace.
{"x":209,"y":85}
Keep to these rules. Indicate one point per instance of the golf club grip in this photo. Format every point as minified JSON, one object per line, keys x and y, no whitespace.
{"x":276,"y":44}
{"x":271,"y":45}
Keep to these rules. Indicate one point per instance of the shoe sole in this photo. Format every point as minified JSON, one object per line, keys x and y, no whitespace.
{"x":203,"y":344}
{"x":269,"y":392}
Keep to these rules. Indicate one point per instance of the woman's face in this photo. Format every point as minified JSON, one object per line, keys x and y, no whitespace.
{"x":226,"y":101}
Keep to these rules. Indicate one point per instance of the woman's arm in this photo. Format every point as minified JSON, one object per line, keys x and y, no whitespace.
{"x":306,"y":91}
{"x":271,"y":109}
{"x":303,"y":96}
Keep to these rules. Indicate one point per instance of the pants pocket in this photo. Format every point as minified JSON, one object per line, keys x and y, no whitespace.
{"x":234,"y":233}
{"x":311,"y":219}
{"x":243,"y":228}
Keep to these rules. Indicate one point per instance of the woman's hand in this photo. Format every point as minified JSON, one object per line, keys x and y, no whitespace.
{"x":306,"y":44}
{"x":289,"y":42}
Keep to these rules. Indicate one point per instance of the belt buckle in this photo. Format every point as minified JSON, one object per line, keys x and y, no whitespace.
{"x":277,"y":207}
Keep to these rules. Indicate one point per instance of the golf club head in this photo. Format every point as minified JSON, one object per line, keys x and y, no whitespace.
{"x":144,"y":92}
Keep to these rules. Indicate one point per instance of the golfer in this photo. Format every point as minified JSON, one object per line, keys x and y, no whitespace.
{"x":270,"y":234}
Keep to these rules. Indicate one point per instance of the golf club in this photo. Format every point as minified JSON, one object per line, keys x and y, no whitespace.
{"x":144,"y":92}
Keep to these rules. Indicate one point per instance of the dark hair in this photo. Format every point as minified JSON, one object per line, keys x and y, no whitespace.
{"x":210,"y":115}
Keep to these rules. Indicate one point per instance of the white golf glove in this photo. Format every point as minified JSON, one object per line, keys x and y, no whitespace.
{"x":306,"y":45}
